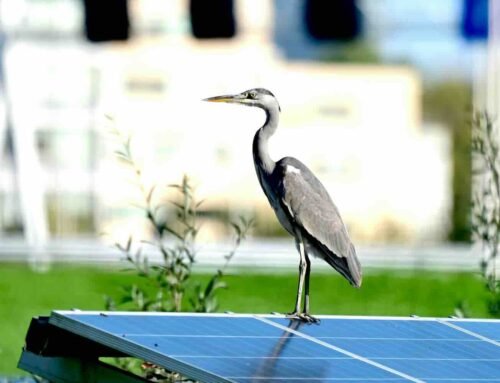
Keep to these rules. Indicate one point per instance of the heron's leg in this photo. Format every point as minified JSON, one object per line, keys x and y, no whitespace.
{"x":302,"y":272}
{"x":305,"y":316}
{"x":306,"y":284}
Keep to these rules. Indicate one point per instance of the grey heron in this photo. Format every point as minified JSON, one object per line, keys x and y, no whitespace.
{"x":301,"y":203}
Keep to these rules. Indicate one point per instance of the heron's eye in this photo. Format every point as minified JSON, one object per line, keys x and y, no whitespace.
{"x":253,"y":95}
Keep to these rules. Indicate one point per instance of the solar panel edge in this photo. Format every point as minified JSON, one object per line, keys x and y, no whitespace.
{"x":485,"y":320}
{"x":116,"y":342}
{"x":155,"y":313}
{"x":250,"y":315}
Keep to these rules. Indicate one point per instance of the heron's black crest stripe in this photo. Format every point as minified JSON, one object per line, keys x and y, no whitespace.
{"x":264,"y":91}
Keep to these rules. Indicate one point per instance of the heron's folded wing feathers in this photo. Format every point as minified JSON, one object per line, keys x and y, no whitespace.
{"x":311,"y":207}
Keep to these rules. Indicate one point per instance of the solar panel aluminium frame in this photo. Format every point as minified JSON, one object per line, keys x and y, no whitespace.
{"x":61,"y":319}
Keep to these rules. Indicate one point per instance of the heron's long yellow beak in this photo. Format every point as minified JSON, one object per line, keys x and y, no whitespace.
{"x":225,"y":98}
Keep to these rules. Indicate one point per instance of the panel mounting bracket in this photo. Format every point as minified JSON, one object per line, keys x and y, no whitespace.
{"x":77,"y":370}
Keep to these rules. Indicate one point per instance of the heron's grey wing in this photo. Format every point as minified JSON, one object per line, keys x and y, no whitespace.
{"x":312,"y":208}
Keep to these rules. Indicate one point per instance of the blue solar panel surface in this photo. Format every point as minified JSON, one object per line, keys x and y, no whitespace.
{"x":247,"y":348}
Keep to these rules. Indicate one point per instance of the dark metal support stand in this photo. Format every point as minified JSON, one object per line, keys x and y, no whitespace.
{"x":77,"y":370}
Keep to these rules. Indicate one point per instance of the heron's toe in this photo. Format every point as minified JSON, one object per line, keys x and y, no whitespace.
{"x":303,"y":317}
{"x":308,"y":318}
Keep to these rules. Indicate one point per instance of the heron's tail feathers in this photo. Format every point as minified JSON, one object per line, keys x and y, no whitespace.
{"x":355,"y":268}
{"x":349,"y":266}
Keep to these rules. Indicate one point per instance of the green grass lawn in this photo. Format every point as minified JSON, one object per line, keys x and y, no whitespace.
{"x":24,"y":294}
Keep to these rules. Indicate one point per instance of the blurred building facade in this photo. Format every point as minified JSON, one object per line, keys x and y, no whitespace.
{"x":358,"y":126}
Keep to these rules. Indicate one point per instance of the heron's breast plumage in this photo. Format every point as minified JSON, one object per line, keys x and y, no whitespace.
{"x":270,"y":184}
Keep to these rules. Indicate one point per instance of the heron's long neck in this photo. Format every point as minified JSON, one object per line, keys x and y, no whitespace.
{"x":261,"y":155}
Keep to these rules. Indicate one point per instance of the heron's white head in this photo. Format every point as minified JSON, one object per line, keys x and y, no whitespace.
{"x":258,"y":97}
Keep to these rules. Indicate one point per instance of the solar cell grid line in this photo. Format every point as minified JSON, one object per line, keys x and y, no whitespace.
{"x":461,"y":327}
{"x":348,"y":353}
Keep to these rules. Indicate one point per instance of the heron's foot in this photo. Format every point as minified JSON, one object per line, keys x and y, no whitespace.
{"x":308,"y":318}
{"x":304,"y":317}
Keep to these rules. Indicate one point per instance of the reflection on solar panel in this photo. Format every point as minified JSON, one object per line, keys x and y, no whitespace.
{"x":263,"y":348}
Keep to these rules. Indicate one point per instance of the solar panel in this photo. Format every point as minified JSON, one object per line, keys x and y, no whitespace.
{"x":260,"y":348}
